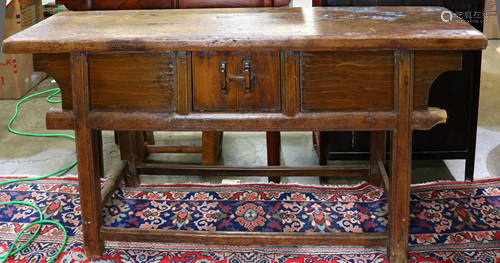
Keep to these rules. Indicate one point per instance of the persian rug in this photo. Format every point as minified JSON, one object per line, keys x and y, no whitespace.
{"x":449,"y":222}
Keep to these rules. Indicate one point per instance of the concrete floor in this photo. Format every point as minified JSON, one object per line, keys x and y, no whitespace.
{"x":22,"y":155}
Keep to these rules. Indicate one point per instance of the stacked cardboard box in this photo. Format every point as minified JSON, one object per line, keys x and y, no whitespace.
{"x":16,"y":70}
{"x":491,"y":29}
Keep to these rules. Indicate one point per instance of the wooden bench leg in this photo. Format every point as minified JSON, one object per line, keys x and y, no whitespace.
{"x":273,"y":140}
{"x":101,"y":153}
{"x":377,"y":153}
{"x":88,"y":151}
{"x":322,"y":153}
{"x":149,"y":137}
{"x":401,"y":142}
{"x":212,"y":146}
{"x":129,"y":151}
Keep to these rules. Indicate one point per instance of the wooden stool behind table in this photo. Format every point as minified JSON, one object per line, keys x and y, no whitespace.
{"x":136,"y":146}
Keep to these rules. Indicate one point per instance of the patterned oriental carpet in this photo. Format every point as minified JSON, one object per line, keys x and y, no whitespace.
{"x":450,"y":222}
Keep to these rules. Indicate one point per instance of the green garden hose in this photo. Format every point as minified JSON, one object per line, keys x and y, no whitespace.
{"x":41,"y":221}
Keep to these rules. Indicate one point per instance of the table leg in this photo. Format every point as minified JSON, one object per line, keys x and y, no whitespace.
{"x":211,"y":147}
{"x":129,"y":152}
{"x":401,"y":141}
{"x":377,"y":154}
{"x":323,"y":154}
{"x":88,"y":152}
{"x":273,"y":141}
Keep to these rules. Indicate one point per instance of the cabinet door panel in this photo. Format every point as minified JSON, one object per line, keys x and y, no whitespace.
{"x":264,"y":94}
{"x":209,"y":81}
{"x":207,"y":93}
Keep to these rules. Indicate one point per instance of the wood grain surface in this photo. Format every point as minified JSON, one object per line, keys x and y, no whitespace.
{"x":429,"y":65}
{"x":127,"y":81}
{"x":333,"y":81}
{"x":264,"y":93}
{"x":245,"y":238}
{"x":90,"y":163}
{"x":270,"y":29}
{"x":119,"y":81}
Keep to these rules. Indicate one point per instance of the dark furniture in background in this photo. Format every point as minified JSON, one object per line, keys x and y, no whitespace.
{"x":84,"y":5}
{"x":456,"y":91}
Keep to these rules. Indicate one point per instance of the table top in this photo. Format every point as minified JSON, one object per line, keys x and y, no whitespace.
{"x":271,"y":29}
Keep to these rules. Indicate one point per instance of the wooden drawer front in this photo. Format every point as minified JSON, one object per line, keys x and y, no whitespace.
{"x":358,"y":80}
{"x":132,"y":81}
{"x":208,"y":81}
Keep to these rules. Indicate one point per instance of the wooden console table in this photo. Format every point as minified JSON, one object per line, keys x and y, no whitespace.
{"x":253,"y":70}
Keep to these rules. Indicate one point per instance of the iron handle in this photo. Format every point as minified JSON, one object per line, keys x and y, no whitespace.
{"x":223,"y":77}
{"x":246,"y":72}
{"x":246,"y":77}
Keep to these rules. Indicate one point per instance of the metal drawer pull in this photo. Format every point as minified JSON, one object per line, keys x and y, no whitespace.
{"x":223,"y":79}
{"x":246,"y":77}
{"x":246,"y":72}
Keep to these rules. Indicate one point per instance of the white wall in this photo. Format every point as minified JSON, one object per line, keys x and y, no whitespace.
{"x":301,"y":3}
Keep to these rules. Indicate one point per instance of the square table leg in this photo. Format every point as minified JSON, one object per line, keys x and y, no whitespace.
{"x":401,"y":141}
{"x":377,"y":154}
{"x":88,"y":152}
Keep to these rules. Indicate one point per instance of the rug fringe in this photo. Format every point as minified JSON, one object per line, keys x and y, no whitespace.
{"x":359,"y":185}
{"x":431,"y":183}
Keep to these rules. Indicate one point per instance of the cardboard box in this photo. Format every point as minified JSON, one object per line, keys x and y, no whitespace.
{"x":491,"y":28}
{"x":16,"y":70}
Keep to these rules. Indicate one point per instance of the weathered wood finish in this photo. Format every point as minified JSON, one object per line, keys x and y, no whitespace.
{"x":84,"y":5}
{"x":212,"y":147}
{"x":129,"y":152}
{"x":127,"y":82}
{"x":457,"y":92}
{"x":299,"y":31}
{"x":142,"y":121}
{"x":273,"y":171}
{"x":399,"y":196}
{"x":173,"y":149}
{"x":377,"y":154}
{"x":182,"y":82}
{"x":336,"y":81}
{"x":364,"y":80}
{"x":320,"y":72}
{"x":384,"y":178}
{"x":429,"y":65}
{"x":273,"y":140}
{"x":245,"y":238}
{"x":290,"y":86}
{"x":88,"y":155}
{"x":318,"y":29}
{"x":58,"y":119}
{"x":58,"y":66}
{"x":120,"y":81}
{"x":264,"y":93}
{"x":425,"y":120}
{"x":113,"y":182}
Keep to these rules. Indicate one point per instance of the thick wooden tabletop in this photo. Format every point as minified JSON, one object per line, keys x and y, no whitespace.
{"x":272,"y":29}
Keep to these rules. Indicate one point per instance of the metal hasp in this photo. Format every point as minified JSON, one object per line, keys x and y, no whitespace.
{"x":246,"y":77}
